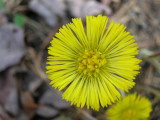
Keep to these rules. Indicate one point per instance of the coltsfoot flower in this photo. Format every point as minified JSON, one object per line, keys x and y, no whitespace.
{"x":132,"y":107}
{"x":91,"y":66}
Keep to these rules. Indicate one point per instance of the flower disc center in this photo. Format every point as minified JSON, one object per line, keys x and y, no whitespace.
{"x":129,"y":114}
{"x":91,"y":61}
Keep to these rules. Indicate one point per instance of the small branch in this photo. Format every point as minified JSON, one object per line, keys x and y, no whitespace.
{"x":85,"y":116}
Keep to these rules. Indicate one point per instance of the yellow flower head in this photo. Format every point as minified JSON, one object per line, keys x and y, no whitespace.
{"x":92,"y":66}
{"x":132,"y":107}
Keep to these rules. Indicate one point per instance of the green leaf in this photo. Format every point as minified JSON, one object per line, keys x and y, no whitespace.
{"x":19,"y":20}
{"x":2,"y":4}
